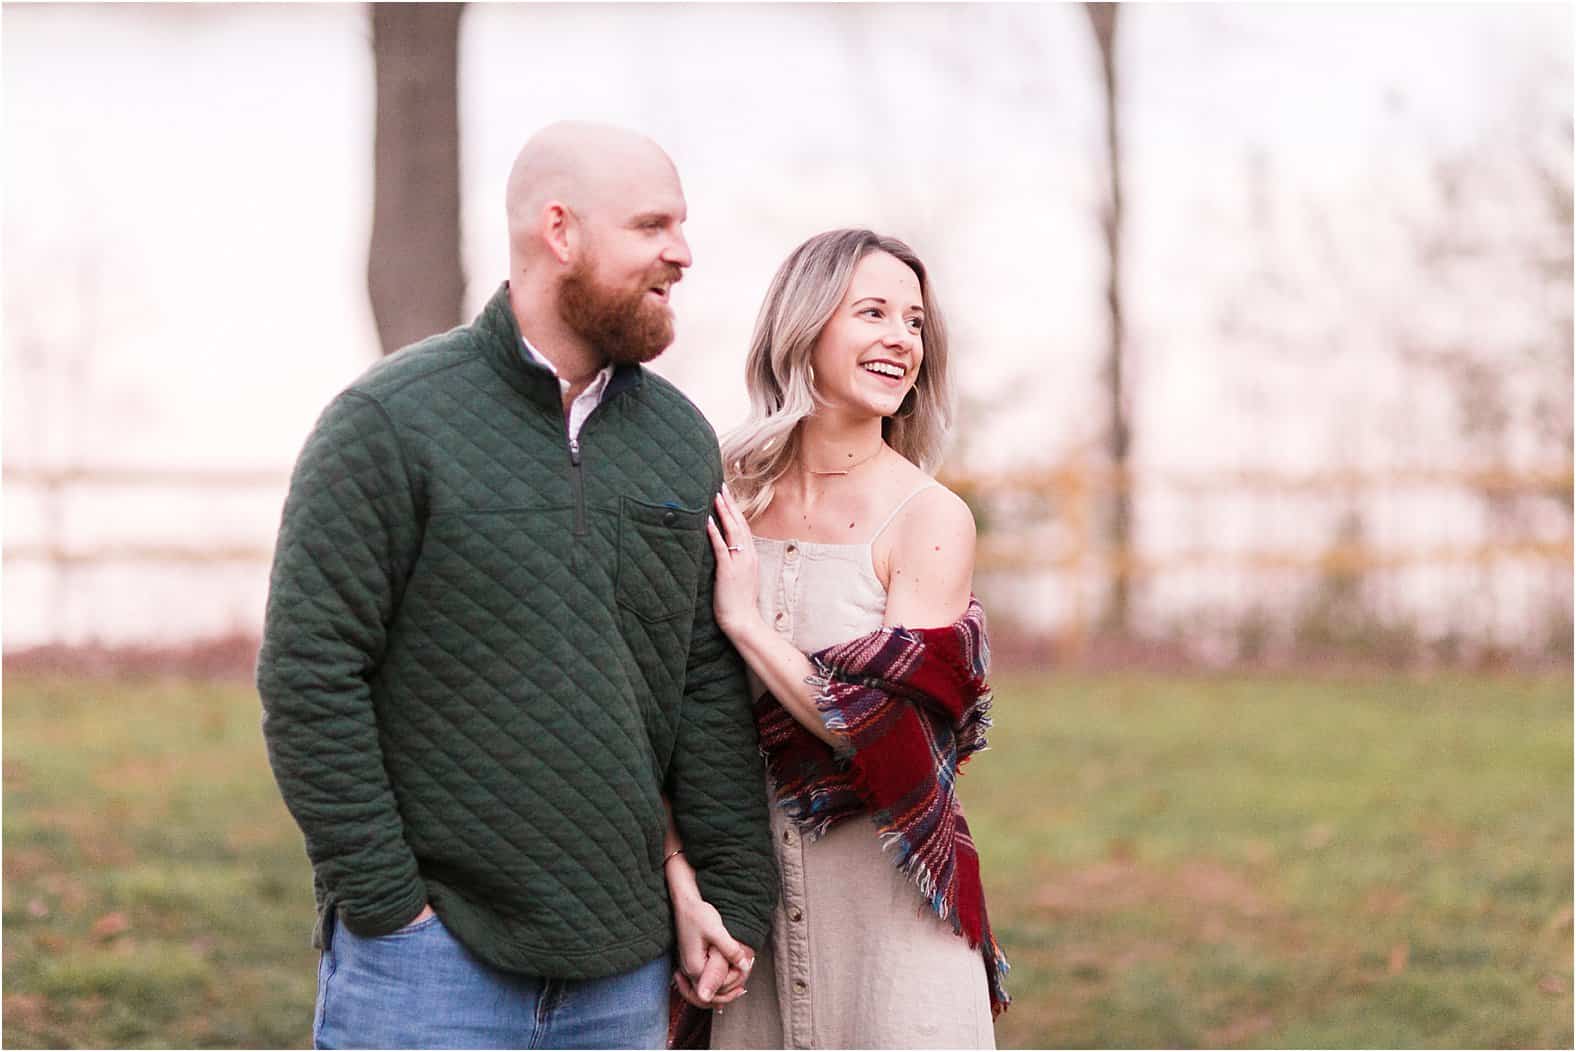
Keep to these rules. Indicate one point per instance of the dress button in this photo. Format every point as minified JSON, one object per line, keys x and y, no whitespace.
{"x":670,"y":518}
{"x":787,"y":836}
{"x":795,"y":915}
{"x":780,"y":620}
{"x":799,"y":985}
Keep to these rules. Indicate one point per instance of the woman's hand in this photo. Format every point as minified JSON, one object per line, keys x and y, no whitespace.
{"x":712,"y":965}
{"x":733,"y":597}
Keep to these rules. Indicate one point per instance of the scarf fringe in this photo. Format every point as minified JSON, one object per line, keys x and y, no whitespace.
{"x":822,"y":680}
{"x":819,"y":797}
{"x":919,"y":873}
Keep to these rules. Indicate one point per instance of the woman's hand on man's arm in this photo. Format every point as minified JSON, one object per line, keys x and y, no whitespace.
{"x":774,"y":660}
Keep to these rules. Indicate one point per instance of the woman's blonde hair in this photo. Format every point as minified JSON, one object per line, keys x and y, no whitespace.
{"x":800,"y":301}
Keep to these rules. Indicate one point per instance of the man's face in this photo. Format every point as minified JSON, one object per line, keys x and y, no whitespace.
{"x":617,"y":293}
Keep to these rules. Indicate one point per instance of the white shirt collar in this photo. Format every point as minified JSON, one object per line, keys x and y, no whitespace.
{"x":594,"y":388}
{"x":586,"y":401}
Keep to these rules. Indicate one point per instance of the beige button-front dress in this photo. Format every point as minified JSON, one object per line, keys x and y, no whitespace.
{"x":856,"y":959}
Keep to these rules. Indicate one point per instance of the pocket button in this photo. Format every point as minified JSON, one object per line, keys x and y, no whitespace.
{"x":670,"y":518}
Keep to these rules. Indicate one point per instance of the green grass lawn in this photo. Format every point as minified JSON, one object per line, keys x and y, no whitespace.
{"x":1170,"y":863}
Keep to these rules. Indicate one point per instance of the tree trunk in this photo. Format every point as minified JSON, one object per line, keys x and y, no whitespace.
{"x":413,"y":269}
{"x":1103,"y":18}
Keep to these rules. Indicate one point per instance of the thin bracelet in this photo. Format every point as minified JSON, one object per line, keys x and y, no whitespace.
{"x":671,"y":855}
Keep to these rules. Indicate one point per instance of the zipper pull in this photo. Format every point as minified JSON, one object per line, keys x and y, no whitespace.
{"x":574,"y":452}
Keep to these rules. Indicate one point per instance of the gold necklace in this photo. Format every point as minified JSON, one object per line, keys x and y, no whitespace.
{"x":851,"y":467}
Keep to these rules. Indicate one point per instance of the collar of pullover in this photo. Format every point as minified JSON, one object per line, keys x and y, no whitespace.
{"x":500,"y":335}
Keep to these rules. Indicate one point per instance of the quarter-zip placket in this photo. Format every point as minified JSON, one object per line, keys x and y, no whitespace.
{"x":577,"y":467}
{"x":578,"y":477}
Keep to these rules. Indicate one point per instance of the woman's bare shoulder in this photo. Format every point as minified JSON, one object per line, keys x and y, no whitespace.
{"x":931,"y":509}
{"x":930,"y":566}
{"x":935,"y":515}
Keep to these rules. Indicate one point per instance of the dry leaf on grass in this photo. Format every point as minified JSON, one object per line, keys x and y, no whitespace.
{"x":25,"y":1009}
{"x":110,"y":925}
{"x":1398,"y":957}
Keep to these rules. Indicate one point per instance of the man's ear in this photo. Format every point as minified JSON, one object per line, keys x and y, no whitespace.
{"x":560,"y":230}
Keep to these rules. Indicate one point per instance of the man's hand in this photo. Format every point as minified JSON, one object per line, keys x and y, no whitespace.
{"x":712,"y":965}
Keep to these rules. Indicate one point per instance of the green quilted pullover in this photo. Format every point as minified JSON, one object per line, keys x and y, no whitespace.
{"x":485,"y":658}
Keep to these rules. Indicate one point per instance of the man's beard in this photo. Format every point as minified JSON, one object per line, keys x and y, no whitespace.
{"x":626,"y":326}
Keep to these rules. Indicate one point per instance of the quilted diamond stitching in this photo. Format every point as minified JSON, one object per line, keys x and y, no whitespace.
{"x":442,"y":437}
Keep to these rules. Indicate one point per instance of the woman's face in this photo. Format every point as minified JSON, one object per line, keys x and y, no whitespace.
{"x":867,"y":356}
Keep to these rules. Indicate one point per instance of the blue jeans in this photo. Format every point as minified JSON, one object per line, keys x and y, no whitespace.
{"x":419,"y":988}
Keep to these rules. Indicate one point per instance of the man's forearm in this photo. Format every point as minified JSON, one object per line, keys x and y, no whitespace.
{"x":329,"y":769}
{"x":347,"y":539}
{"x":717,"y":783}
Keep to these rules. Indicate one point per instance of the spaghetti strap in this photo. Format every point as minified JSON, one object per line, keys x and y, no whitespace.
{"x":900,"y":506}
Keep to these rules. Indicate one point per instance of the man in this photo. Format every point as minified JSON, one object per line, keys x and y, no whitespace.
{"x":490,"y":657}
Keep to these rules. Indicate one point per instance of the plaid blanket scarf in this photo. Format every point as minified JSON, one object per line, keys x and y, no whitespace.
{"x":913,"y":705}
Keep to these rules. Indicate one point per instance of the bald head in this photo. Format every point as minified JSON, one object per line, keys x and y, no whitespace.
{"x":588,"y":167}
{"x":596,"y":243}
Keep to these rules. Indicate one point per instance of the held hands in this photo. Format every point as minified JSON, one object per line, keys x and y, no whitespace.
{"x":733,"y":597}
{"x":713,"y":966}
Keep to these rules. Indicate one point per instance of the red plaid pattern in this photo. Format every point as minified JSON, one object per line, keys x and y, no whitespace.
{"x":913,"y":706}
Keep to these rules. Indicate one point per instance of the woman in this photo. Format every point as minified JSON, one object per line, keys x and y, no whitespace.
{"x":829,"y":530}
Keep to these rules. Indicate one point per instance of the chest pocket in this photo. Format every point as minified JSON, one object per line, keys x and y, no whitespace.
{"x":659,"y":559}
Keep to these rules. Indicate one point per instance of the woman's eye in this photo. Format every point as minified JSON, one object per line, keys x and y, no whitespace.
{"x":917,"y":324}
